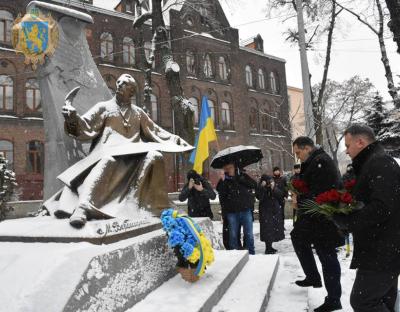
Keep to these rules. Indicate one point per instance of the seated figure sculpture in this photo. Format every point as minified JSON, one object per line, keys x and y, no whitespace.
{"x":124,"y":170}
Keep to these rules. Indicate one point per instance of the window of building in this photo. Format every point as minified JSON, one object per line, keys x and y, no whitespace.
{"x":273,"y":82}
{"x":265,"y":119}
{"x":128,"y":7}
{"x":226,"y":115}
{"x":190,"y":63}
{"x":249,"y":76}
{"x":35,"y":157}
{"x":190,"y":22}
{"x":195,"y":104}
{"x":148,"y":50}
{"x":208,"y":72}
{"x":6,"y":22}
{"x":128,"y":51}
{"x":211,"y":105}
{"x":6,"y":93}
{"x":203,"y":11}
{"x":261,"y":79}
{"x":222,"y":68}
{"x":32,"y":92}
{"x":253,"y":119}
{"x":154,"y":108}
{"x":107,"y":46}
{"x":7,"y":150}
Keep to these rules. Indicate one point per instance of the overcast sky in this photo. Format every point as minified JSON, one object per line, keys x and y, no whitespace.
{"x":355,"y":52}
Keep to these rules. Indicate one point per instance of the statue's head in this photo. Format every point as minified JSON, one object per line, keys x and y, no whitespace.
{"x":126,"y":86}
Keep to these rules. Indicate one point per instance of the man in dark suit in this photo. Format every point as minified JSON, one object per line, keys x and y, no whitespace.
{"x":320,"y":174}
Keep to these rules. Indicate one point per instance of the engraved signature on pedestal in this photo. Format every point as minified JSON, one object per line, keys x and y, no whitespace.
{"x":118,"y":227}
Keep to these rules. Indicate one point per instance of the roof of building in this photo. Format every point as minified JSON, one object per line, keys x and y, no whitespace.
{"x":263,"y":54}
{"x":106,"y":4}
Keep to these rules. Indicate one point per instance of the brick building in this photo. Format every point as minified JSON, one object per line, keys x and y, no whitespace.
{"x":246,"y":88}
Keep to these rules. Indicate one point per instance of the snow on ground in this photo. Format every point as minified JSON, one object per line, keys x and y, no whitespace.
{"x":285,"y":294}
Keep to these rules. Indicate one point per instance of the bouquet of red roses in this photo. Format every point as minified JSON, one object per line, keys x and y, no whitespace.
{"x":298,"y":187}
{"x":333,"y":202}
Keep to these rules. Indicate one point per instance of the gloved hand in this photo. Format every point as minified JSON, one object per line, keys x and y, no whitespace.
{"x":341,"y":221}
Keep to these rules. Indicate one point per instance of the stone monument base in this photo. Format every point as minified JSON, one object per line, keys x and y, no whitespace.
{"x":49,"y":230}
{"x":51,"y":277}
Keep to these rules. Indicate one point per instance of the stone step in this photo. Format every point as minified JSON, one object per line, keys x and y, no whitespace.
{"x":285,"y":294}
{"x":180,"y":296}
{"x":251,"y":290}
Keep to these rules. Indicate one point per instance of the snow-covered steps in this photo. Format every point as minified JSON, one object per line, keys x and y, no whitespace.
{"x":251,"y":289}
{"x":177,"y":295}
{"x":286,"y":295}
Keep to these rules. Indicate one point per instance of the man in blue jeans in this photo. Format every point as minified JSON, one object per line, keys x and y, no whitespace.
{"x":237,"y":203}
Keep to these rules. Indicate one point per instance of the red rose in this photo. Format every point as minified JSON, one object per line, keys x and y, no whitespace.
{"x":322,"y":198}
{"x":334,"y":196}
{"x":300,"y":185}
{"x":328,"y":197}
{"x":346,"y":198}
{"x":348,"y":185}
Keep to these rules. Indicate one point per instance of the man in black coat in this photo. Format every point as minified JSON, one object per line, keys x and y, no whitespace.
{"x":198,"y":192}
{"x":320,"y":174}
{"x":237,"y":203}
{"x":375,"y":225}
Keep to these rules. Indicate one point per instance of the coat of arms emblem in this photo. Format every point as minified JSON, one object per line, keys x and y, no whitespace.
{"x":35,"y":35}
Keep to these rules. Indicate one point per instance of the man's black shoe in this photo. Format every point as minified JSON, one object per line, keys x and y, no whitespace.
{"x":309,"y":283}
{"x":329,"y":306}
{"x":270,"y":251}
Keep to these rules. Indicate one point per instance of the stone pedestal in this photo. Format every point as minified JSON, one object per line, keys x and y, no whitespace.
{"x":49,"y":229}
{"x":65,"y":276}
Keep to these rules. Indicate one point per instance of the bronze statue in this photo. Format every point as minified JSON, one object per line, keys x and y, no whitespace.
{"x":124,"y":170}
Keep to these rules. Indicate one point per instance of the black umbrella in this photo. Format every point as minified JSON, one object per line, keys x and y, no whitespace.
{"x":240,"y":155}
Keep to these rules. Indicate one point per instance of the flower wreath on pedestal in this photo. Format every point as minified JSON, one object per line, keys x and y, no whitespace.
{"x":191,"y":246}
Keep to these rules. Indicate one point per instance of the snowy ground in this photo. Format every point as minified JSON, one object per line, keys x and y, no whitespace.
{"x":287,"y":296}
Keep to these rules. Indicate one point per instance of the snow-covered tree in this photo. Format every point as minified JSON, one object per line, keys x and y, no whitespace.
{"x":389,"y":134}
{"x":7,"y":185}
{"x":375,"y":116}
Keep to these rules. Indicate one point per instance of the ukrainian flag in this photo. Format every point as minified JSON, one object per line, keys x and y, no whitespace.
{"x":206,"y":134}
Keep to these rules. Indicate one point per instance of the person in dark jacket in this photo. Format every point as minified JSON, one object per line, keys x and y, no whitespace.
{"x":237,"y":203}
{"x":349,"y":174}
{"x":198,"y":192}
{"x":376,"y":225}
{"x":281,"y":183}
{"x":296,"y":175}
{"x":320,"y":174}
{"x":271,"y":222}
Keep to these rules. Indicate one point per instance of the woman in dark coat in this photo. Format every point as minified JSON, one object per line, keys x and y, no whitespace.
{"x":270,"y":214}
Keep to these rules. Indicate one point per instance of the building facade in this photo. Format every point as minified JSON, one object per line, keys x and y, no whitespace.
{"x":296,"y":105}
{"x":246,"y":88}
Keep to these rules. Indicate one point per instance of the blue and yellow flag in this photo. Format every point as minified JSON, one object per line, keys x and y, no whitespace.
{"x":206,"y":134}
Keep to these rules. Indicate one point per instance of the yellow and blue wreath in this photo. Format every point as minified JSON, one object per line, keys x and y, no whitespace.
{"x":186,"y":237}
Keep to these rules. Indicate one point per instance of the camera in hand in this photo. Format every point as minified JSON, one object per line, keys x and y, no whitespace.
{"x":267,"y":179}
{"x":195,"y":176}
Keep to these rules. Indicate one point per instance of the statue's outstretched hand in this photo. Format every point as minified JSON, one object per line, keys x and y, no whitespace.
{"x":68,"y":111}
{"x":179,"y":141}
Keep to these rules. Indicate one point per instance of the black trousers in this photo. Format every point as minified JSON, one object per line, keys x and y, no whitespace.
{"x":374,"y":291}
{"x":330,"y":266}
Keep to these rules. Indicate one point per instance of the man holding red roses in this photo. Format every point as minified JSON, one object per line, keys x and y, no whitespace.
{"x":376,"y":226}
{"x":318,"y":175}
